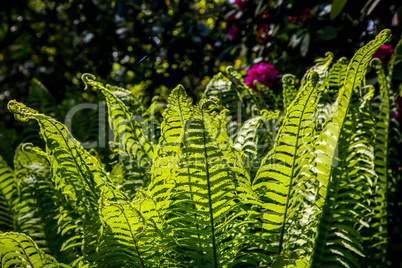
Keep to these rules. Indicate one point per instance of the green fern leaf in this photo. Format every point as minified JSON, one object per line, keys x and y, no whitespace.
{"x":391,"y":62}
{"x":150,"y":126}
{"x":336,"y":76}
{"x":346,"y":209}
{"x":220,"y":87}
{"x":19,"y":250}
{"x":130,"y":136}
{"x":177,"y":113}
{"x":77,"y":174}
{"x":8,"y":190}
{"x":289,"y":90}
{"x":39,"y":98}
{"x":37,"y":203}
{"x":321,"y":68}
{"x":29,"y":169}
{"x":78,"y":177}
{"x":197,"y":183}
{"x":255,"y":139}
{"x":326,"y":144}
{"x":129,"y":239}
{"x":280,"y":170}
{"x":376,"y":245}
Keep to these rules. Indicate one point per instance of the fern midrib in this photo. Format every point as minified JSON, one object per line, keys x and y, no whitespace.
{"x":293,"y":170}
{"x":211,"y":216}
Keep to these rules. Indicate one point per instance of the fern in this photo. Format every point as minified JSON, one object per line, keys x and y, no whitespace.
{"x":379,"y":215}
{"x":255,"y":139}
{"x":139,"y":241}
{"x":194,"y":198}
{"x":336,"y":76}
{"x":39,"y":98}
{"x":20,"y":250}
{"x":280,"y":169}
{"x":131,"y":134}
{"x":197,"y":198}
{"x":37,"y":202}
{"x":289,"y":90}
{"x":7,"y":191}
{"x":77,"y":175}
{"x":29,"y":168}
{"x":321,"y":68}
{"x":220,"y":87}
{"x":326,"y":148}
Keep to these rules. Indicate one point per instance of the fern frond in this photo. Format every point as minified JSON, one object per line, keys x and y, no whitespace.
{"x":280,"y":170}
{"x":78,"y":171}
{"x":148,"y":122}
{"x":326,"y":145}
{"x":197,"y":188}
{"x":177,"y":113}
{"x":37,"y":203}
{"x":347,"y":207}
{"x":8,"y":190}
{"x":129,"y":239}
{"x":321,"y":68}
{"x":19,"y":250}
{"x":336,"y":76}
{"x":289,"y":90}
{"x":77,"y":174}
{"x":220,"y":87}
{"x":29,"y":168}
{"x":130,"y":134}
{"x":39,"y":98}
{"x":376,"y":240}
{"x":255,"y":139}
{"x":391,"y":62}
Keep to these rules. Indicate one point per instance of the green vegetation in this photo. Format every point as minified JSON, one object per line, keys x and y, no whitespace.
{"x":242,"y":178}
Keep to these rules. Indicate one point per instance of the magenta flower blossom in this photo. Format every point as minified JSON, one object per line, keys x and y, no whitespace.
{"x":232,"y":32}
{"x":263,"y":73}
{"x":384,"y":53}
{"x":240,"y":3}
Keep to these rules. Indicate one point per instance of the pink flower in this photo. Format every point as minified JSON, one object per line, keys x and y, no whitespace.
{"x":384,"y":53}
{"x":263,"y":73}
{"x":232,"y":32}
{"x":240,"y":3}
{"x":292,"y":20}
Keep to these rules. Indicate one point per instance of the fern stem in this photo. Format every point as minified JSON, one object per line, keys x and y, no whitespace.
{"x":211,"y":216}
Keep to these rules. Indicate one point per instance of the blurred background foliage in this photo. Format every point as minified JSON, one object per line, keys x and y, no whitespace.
{"x":151,"y":46}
